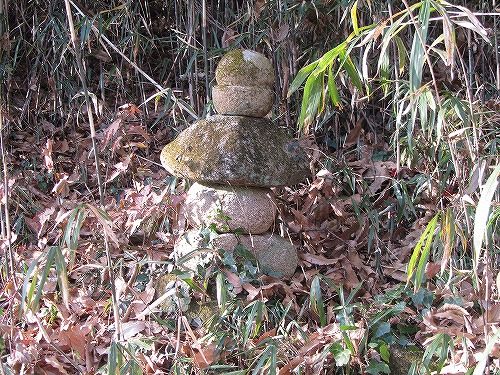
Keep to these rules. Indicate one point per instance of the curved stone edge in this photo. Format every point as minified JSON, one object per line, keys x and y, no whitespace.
{"x":251,"y":101}
{"x":230,"y":208}
{"x":236,"y":150}
{"x":271,"y":251}
{"x":245,"y":68}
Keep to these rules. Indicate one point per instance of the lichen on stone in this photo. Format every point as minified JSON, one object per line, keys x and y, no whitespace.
{"x":245,"y":68}
{"x":236,"y":150}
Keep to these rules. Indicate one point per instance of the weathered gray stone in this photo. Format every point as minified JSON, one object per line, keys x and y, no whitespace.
{"x":252,"y":101}
{"x":191,"y":251}
{"x":236,"y":150}
{"x":230,"y":208}
{"x":245,"y":68}
{"x":272,"y":252}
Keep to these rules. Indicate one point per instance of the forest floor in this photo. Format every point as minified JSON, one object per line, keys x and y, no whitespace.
{"x":355,"y":223}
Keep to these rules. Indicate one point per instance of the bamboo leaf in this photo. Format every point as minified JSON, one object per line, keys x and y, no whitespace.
{"x":45,"y":272}
{"x":417,"y":55}
{"x":401,"y":53}
{"x":351,"y":70}
{"x":448,"y":34}
{"x":482,"y":213}
{"x":424,"y":257}
{"x":112,"y":358}
{"x":316,"y":301}
{"x":332,"y":90}
{"x":418,"y":247}
{"x":354,"y":17}
{"x":62,"y":275}
{"x":301,"y":77}
{"x":447,"y":237}
{"x":250,"y":322}
{"x":313,"y":91}
{"x":29,"y":287}
{"x":474,"y":24}
{"x":329,"y":58}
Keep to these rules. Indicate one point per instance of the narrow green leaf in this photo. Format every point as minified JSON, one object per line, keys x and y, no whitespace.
{"x":29,"y":286}
{"x":354,"y":17}
{"x":62,"y":275}
{"x":416,"y":252}
{"x":45,"y":272}
{"x":401,"y":53}
{"x":69,"y":226}
{"x":313,"y":91}
{"x":329,"y":58}
{"x":424,"y":257}
{"x":482,"y":212}
{"x":112,"y":359}
{"x":417,"y":55}
{"x":266,"y":354}
{"x":316,"y":301}
{"x":351,"y":70}
{"x":250,"y":322}
{"x":301,"y":77}
{"x":82,"y":214}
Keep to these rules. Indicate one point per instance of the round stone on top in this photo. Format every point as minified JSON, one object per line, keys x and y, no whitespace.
{"x":245,"y":68}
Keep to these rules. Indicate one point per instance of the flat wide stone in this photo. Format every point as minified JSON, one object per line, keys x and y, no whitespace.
{"x":273,"y":253}
{"x":236,"y":150}
{"x":230,"y":208}
{"x":252,"y":101}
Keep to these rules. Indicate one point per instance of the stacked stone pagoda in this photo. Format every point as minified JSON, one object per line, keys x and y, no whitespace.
{"x":234,"y":158}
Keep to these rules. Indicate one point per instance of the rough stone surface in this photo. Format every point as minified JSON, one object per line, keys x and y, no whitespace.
{"x":236,"y":150}
{"x":252,"y":101}
{"x":245,"y":68}
{"x":272,"y":252}
{"x":230,"y":208}
{"x":191,"y":251}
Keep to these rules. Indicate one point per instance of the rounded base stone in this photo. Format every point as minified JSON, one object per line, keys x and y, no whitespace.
{"x":273,"y":253}
{"x":251,"y":101}
{"x":230,"y":208}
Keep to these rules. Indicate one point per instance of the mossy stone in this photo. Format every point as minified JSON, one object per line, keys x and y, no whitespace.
{"x":254,"y":101}
{"x":238,"y":151}
{"x":245,"y":68}
{"x":401,"y":358}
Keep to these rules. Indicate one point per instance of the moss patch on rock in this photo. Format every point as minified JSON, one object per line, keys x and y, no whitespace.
{"x":245,"y":68}
{"x":236,"y":150}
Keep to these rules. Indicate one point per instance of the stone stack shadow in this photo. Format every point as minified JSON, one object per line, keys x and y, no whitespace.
{"x":234,"y":158}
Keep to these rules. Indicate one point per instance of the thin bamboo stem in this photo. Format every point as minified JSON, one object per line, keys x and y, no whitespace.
{"x":8,"y":233}
{"x":81,"y":72}
{"x":131,"y":63}
{"x":205,"y":50}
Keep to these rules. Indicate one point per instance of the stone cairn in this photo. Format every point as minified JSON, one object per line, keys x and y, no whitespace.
{"x":234,"y":158}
